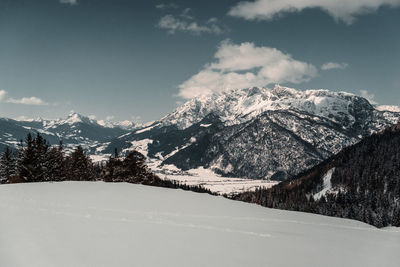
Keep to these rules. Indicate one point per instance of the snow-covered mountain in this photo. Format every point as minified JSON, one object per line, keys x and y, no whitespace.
{"x":258,"y":132}
{"x":73,"y":130}
{"x":237,"y":106}
{"x":255,"y":133}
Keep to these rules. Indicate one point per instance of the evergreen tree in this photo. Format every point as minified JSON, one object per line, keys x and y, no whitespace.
{"x":26,"y":160}
{"x":41,"y":171}
{"x":7,"y":165}
{"x":80,"y":166}
{"x":55,"y":164}
{"x":134,"y":165}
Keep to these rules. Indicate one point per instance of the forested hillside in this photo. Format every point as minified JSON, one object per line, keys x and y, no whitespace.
{"x":361,"y":182}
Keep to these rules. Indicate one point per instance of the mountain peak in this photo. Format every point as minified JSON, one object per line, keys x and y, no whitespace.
{"x":74,"y":118}
{"x":238,"y":105}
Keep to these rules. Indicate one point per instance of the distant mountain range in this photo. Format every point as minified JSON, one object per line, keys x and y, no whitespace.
{"x":254,"y":133}
{"x":72,"y":131}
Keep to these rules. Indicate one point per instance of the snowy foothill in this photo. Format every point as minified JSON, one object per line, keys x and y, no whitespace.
{"x":103,"y":224}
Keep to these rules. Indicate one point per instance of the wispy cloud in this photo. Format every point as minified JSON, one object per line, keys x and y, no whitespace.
{"x":334,"y":65}
{"x":186,"y":13}
{"x":246,"y":65}
{"x":340,"y":10}
{"x":186,"y":22}
{"x":24,"y":100}
{"x":369,"y":96}
{"x":69,"y":2}
{"x":167,"y":6}
{"x":3,"y":95}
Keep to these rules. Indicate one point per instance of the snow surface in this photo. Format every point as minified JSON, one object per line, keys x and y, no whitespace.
{"x":99,"y":224}
{"x":388,"y":108}
{"x":327,"y":186}
{"x":212,"y":181}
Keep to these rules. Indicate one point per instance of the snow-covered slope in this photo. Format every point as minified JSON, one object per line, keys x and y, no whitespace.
{"x":100,"y":224}
{"x":388,"y":108}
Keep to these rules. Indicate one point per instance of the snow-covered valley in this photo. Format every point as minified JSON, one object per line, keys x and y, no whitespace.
{"x":212,"y":181}
{"x":100,"y":224}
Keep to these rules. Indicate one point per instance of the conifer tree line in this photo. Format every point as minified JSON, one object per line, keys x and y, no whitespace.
{"x":365,"y":183}
{"x":37,"y":161}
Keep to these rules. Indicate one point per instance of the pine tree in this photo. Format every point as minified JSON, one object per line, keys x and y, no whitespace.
{"x":134,"y":166}
{"x":41,"y":172}
{"x":26,"y":160}
{"x":55,"y":164}
{"x":80,"y":166}
{"x":7,"y":165}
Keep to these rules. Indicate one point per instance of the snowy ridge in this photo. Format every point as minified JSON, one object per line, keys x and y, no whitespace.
{"x":240,"y":105}
{"x":75,"y":118}
{"x":388,"y":108}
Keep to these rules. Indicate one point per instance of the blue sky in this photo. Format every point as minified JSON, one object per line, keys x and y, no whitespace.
{"x":138,"y":59}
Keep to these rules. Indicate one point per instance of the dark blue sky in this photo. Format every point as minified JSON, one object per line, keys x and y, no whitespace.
{"x":114,"y":58}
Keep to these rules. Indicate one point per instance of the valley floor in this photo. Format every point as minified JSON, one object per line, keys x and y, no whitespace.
{"x":103,"y":224}
{"x":210,"y":180}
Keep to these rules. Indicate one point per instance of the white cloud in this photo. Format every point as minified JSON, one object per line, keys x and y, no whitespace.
{"x":343,"y":10}
{"x":334,"y":65}
{"x":186,"y":22}
{"x":33,"y":100}
{"x":246,"y":65}
{"x":24,"y":100}
{"x":173,"y":24}
{"x":167,"y":6}
{"x":69,"y":2}
{"x":3,"y":95}
{"x":186,"y":14}
{"x":368,"y":96}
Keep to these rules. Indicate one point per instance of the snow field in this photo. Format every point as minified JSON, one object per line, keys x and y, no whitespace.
{"x":103,"y":224}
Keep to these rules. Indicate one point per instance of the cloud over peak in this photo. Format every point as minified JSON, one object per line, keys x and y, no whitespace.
{"x":370,"y":97}
{"x":246,"y":65}
{"x":340,"y":10}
